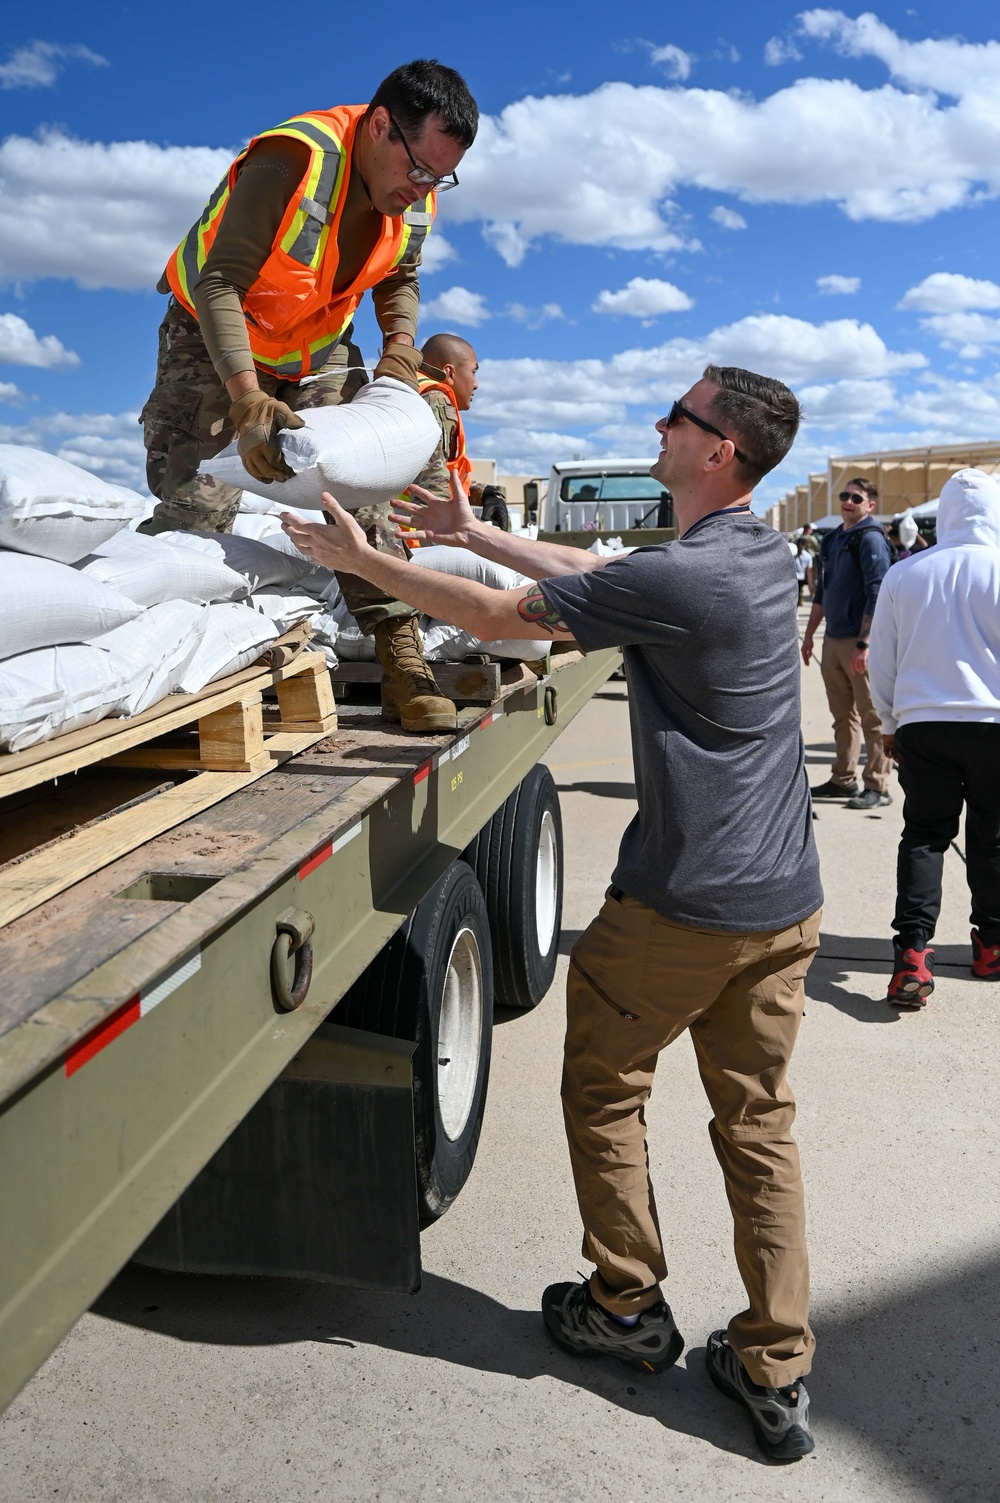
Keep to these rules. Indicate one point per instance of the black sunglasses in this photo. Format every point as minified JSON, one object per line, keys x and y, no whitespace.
{"x":422,"y":176}
{"x":680,"y":411}
{"x":853,"y":497}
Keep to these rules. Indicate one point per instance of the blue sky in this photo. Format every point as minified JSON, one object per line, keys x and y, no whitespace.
{"x":653,"y":186}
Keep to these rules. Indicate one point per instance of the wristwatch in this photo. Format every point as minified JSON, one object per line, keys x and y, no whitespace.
{"x":861,"y":646}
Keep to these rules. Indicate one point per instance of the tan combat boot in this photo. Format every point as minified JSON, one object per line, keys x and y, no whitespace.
{"x":409,"y":693}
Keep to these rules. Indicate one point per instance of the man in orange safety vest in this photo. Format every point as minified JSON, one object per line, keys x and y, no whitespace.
{"x":264,"y":287}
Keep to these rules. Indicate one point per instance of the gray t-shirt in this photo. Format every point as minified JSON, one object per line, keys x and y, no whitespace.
{"x":723,"y":837}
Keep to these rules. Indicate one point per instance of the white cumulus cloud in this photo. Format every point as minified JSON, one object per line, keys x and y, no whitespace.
{"x":835,"y":285}
{"x":9,"y":392}
{"x":436,"y":252}
{"x":38,"y":64}
{"x":109,"y":444}
{"x":780,"y":50}
{"x":728,"y":218}
{"x":533,"y":318}
{"x":643,"y":297}
{"x":950,"y":292}
{"x":969,"y":333}
{"x":104,"y":215}
{"x":674,"y":60}
{"x":948,"y":65}
{"x":20,"y":345}
{"x":457,"y":305}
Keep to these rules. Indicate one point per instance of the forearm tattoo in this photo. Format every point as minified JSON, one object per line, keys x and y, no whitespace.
{"x":536,"y":611}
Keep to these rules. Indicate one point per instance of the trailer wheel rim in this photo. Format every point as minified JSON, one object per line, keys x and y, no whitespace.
{"x":546,"y":884}
{"x":460,"y":1031}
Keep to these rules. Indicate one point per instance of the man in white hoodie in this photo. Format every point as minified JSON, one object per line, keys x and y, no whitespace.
{"x":935,"y":678}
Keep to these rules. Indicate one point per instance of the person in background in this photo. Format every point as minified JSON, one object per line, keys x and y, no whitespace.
{"x":853,"y":561}
{"x":712,"y":917}
{"x":803,"y":568}
{"x":810,"y":539}
{"x":935,"y":677}
{"x":447,"y":382}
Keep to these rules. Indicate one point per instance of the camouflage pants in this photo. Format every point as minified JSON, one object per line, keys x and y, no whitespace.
{"x":186,"y":420}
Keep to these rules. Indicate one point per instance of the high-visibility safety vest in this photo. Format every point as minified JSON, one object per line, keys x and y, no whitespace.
{"x":461,"y":465}
{"x":294,"y":318}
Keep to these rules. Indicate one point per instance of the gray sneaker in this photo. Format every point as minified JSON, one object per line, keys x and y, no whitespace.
{"x":780,"y":1415}
{"x":578,"y":1324}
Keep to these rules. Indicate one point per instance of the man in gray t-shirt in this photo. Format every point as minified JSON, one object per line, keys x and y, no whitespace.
{"x":723,"y":835}
{"x":713,"y":915}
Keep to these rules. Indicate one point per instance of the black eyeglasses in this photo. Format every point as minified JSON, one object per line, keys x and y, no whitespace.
{"x":421,"y":175}
{"x":853,"y":497}
{"x":678,"y":410}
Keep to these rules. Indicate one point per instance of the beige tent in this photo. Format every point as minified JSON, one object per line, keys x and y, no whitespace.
{"x":904,"y":478}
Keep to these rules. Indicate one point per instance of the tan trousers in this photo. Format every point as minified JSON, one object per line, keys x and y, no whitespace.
{"x":849,"y":696}
{"x":637,"y":981}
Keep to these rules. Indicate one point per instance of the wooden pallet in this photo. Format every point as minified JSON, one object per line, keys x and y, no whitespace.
{"x":236,"y":746}
{"x":229,"y":715}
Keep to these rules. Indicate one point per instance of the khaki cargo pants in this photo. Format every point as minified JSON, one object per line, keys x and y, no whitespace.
{"x":637,"y":981}
{"x":186,"y":420}
{"x":849,"y":696}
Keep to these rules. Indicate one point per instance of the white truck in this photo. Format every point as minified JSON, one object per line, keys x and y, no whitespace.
{"x":604,"y":498}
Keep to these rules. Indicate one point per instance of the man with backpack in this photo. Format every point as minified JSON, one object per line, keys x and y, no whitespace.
{"x":853,"y":560}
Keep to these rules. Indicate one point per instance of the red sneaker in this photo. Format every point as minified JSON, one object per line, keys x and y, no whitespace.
{"x":985,"y":959}
{"x":912,"y":982}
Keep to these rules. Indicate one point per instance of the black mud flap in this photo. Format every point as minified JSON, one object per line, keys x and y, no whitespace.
{"x":317,"y":1182}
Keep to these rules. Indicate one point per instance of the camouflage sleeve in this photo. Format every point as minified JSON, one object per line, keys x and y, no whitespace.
{"x":434,"y":476}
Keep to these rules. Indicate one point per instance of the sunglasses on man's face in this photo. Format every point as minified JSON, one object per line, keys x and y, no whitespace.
{"x":853,"y":497}
{"x":678,"y":410}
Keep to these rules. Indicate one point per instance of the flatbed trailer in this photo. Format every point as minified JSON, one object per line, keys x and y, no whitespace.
{"x":229,"y":1046}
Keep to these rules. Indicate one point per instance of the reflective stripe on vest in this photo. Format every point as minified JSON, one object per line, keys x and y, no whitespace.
{"x":294,"y":318}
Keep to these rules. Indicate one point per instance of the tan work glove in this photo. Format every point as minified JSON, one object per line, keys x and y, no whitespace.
{"x":257,"y":419}
{"x":401,"y":362}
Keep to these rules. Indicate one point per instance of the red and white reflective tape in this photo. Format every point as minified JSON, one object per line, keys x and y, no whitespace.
{"x":496,"y":713}
{"x":327,"y":849}
{"x":422,"y":773}
{"x":130,"y":1012}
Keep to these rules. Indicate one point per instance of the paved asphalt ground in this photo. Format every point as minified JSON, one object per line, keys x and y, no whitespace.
{"x":201,"y":1390}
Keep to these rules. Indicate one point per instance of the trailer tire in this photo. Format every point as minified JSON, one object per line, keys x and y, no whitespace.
{"x":519,"y":861}
{"x":433,"y":982}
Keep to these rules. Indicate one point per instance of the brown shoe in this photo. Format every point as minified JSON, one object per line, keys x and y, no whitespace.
{"x":409,"y":694}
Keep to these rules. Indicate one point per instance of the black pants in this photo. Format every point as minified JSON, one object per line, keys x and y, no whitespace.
{"x":944,"y":764}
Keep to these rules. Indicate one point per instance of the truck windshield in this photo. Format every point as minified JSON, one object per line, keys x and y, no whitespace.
{"x":599,"y":487}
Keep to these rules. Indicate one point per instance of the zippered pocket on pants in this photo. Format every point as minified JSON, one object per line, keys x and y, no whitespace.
{"x":631,"y":1017}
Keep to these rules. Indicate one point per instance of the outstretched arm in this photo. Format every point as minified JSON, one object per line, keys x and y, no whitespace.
{"x":455,"y":524}
{"x":490,"y":615}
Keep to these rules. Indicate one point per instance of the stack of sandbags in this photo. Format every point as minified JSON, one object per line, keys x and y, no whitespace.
{"x":56,"y":510}
{"x":96,"y":620}
{"x":365,"y":451}
{"x":150,"y":571}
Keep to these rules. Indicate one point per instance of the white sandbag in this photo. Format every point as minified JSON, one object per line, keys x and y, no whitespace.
{"x":363,"y":452}
{"x":465,"y":564}
{"x":234,"y":637}
{"x":153,"y":651}
{"x":56,"y":510}
{"x":58,"y":689}
{"x":150,"y":570}
{"x":262,"y":566}
{"x":254,"y":524}
{"x":446,"y":643}
{"x":43,"y":604}
{"x":284,"y":610}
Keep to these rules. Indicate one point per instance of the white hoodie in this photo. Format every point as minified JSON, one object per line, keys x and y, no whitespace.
{"x":935,"y":637}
